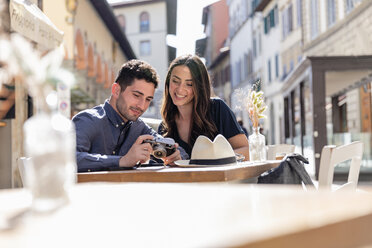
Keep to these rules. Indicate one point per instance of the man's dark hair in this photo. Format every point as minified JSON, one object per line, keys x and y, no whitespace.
{"x":136,"y":69}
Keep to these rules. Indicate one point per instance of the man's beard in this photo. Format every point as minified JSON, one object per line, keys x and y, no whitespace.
{"x":123,"y":109}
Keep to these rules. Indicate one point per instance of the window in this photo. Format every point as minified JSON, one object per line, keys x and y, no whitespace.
{"x":255,"y":3}
{"x":350,"y":5}
{"x":254,"y":46}
{"x":271,"y":20}
{"x":242,"y":69}
{"x":299,"y":13}
{"x":287,"y":19}
{"x":286,"y":119}
{"x":269,"y":70}
{"x":276,"y":66}
{"x":250,"y":63}
{"x":284,"y":72}
{"x":266,"y":25}
{"x":259,"y":44}
{"x":121,"y":21}
{"x":339,"y":113}
{"x":249,"y":7}
{"x":272,"y":123}
{"x":239,"y":72}
{"x":331,"y":12}
{"x":283,"y":24}
{"x":145,"y":48}
{"x":246,"y":66}
{"x":227,"y":73}
{"x":144,"y":22}
{"x":290,"y":18}
{"x":232,"y":71}
{"x":299,"y":58}
{"x":314,"y":17}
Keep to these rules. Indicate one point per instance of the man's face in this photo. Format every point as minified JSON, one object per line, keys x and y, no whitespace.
{"x":134,"y":100}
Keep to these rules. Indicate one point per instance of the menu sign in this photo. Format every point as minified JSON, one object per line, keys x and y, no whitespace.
{"x":27,"y":19}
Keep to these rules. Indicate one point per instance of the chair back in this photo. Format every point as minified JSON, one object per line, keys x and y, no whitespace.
{"x":274,"y":150}
{"x":332,"y":156}
{"x":24,"y":168}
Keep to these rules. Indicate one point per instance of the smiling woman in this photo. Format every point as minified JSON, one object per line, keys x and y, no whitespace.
{"x":188,"y":110}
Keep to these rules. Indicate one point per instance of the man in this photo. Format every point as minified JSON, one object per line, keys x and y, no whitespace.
{"x":112,"y":135}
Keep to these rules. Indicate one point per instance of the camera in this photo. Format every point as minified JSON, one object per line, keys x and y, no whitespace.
{"x":162,"y":147}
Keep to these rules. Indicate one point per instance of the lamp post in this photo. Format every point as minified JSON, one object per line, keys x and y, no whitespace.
{"x":71,"y":6}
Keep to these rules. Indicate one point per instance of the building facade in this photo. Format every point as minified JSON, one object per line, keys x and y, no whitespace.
{"x":325,"y":76}
{"x":245,"y":35}
{"x":314,"y":61}
{"x":215,"y":48}
{"x":95,"y":49}
{"x":147,"y":24}
{"x":271,"y":61}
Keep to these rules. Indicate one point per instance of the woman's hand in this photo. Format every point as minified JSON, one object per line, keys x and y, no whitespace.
{"x":173,"y":157}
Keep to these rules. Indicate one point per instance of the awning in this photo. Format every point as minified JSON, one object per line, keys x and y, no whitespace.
{"x":79,"y":96}
{"x":28,"y":20}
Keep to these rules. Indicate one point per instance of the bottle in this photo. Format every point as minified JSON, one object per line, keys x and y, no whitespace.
{"x":50,"y":143}
{"x":257,"y":147}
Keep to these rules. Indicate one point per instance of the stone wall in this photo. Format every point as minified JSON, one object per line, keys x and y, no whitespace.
{"x":350,"y":36}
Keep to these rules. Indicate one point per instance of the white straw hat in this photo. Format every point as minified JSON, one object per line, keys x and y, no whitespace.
{"x":208,"y":153}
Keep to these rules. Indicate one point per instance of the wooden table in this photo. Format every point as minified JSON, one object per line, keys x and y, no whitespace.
{"x":193,"y":215}
{"x":240,"y":171}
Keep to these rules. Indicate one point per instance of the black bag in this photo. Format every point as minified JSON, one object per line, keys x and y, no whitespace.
{"x":290,"y":171}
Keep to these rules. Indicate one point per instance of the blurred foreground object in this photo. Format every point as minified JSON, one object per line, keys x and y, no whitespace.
{"x":49,"y":139}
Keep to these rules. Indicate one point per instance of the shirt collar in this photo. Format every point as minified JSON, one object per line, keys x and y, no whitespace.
{"x":114,"y":117}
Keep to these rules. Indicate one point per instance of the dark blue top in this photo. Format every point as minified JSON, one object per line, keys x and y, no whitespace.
{"x":102,"y":137}
{"x":223,"y":118}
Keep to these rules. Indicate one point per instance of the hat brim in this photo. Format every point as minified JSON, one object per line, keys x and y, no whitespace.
{"x":186,"y":163}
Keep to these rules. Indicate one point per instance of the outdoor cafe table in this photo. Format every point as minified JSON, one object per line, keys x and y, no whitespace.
{"x":192,"y":215}
{"x":240,"y":171}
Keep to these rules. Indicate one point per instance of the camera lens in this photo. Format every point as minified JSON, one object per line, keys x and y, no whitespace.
{"x":159,"y":151}
{"x":159,"y":154}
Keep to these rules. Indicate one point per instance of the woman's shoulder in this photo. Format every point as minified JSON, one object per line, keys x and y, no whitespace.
{"x":217,"y":102}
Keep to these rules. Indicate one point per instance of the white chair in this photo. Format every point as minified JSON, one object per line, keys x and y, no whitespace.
{"x":332,"y":155}
{"x":23,"y":167}
{"x":280,"y":149}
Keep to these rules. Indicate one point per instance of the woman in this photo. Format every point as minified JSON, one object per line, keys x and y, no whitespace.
{"x":188,"y":111}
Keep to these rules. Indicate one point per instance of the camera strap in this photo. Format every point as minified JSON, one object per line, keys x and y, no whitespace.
{"x":122,"y":137}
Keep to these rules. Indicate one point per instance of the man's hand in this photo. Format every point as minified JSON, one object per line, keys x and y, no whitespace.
{"x":139,"y":152}
{"x":173,"y":157}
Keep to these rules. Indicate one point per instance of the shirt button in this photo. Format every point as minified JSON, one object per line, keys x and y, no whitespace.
{"x":117,"y":125}
{"x":113,"y":152}
{"x":122,"y":123}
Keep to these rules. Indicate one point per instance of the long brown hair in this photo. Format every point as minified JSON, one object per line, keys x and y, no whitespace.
{"x":202,"y":123}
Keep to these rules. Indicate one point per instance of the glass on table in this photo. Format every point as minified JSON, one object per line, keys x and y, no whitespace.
{"x":280,"y":156}
{"x":239,"y":157}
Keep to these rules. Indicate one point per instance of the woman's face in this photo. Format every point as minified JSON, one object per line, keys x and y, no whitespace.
{"x":180,"y":86}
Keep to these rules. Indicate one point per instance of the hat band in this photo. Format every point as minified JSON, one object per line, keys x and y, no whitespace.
{"x":218,"y":161}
